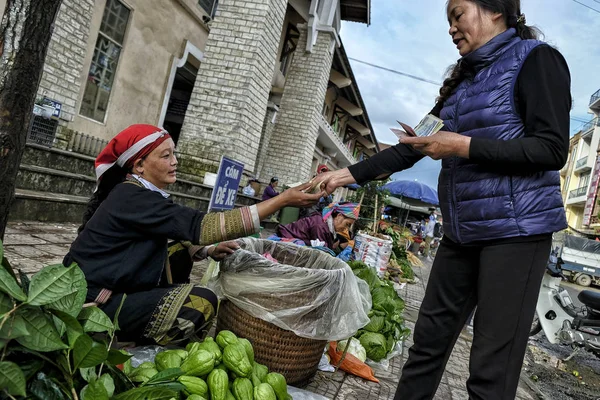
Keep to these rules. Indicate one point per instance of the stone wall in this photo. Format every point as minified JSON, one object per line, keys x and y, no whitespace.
{"x":265,"y":140}
{"x":295,"y":133}
{"x":62,"y":76}
{"x":229,"y":102}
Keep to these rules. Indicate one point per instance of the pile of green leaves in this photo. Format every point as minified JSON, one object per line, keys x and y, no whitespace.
{"x":53,"y":348}
{"x":399,"y":254}
{"x":386,"y":326}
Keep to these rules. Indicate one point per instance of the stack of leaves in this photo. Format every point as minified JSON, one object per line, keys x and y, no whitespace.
{"x":400,"y":269}
{"x":386,"y":326}
{"x":45,"y":337}
{"x":220,"y":369}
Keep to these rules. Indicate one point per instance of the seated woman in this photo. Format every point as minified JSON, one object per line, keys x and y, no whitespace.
{"x":122,"y":246}
{"x":335,"y":218}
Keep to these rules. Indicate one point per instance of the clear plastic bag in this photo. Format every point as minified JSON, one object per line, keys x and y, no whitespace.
{"x":308,"y":292}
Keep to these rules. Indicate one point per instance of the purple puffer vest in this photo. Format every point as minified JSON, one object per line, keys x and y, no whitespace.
{"x":478,"y":202}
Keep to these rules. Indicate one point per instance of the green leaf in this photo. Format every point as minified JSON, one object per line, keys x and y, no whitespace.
{"x":13,"y":328}
{"x":88,"y":374}
{"x":146,"y":393}
{"x":94,"y":391}
{"x":53,"y":283}
{"x":88,"y":353}
{"x":25,"y":281}
{"x":6,"y":263}
{"x":72,"y":326}
{"x":42,"y":333}
{"x":122,"y":383}
{"x":12,"y":378}
{"x":70,"y":304}
{"x":95,"y":320}
{"x":6,"y":304}
{"x":116,"y":318}
{"x":116,"y":357}
{"x":42,"y":387}
{"x":108,"y":383}
{"x":167,"y":375}
{"x":9,"y":285}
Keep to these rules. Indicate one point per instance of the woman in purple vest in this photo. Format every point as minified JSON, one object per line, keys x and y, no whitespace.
{"x":505,"y":107}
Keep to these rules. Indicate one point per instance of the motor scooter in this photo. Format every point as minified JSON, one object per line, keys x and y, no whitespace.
{"x":563,"y":322}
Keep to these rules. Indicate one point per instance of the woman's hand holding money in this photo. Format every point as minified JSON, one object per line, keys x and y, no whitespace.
{"x":440,"y":145}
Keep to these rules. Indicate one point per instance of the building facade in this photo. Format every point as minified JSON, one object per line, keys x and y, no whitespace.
{"x":265,"y":82}
{"x":581,"y":173}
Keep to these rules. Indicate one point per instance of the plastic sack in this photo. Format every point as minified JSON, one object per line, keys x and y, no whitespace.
{"x":374,"y":252}
{"x":351,"y":364}
{"x":143,"y":354}
{"x":346,"y":254}
{"x":384,"y":365}
{"x":308,"y":292}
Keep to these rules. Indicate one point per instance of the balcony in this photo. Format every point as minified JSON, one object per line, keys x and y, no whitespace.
{"x":582,"y":166}
{"x":595,"y":101}
{"x":577,"y":196}
{"x":588,"y":128}
{"x":332,"y":142}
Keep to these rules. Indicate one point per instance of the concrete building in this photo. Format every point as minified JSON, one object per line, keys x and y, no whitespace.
{"x":580,"y":174}
{"x":265,"y":82}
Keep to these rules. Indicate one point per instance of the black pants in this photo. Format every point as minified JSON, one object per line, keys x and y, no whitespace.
{"x":503,"y":281}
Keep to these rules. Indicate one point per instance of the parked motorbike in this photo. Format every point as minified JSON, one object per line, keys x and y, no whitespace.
{"x":557,"y":316}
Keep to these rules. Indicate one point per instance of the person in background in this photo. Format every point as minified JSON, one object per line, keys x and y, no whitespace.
{"x":337,"y":217}
{"x":248,"y":189}
{"x":270,"y":191}
{"x":428,"y":234}
{"x":505,"y":107}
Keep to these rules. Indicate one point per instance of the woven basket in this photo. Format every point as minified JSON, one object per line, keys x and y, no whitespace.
{"x":294,"y":357}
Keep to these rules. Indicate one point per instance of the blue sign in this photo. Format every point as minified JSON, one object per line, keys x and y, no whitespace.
{"x":226,"y":187}
{"x":56,"y":104}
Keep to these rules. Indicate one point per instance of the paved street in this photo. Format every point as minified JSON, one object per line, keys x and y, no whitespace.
{"x":31,"y":245}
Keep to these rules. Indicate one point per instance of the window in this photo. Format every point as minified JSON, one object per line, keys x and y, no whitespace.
{"x":104,"y":62}
{"x":210,"y":6}
{"x":584,"y":180}
{"x":290,"y":42}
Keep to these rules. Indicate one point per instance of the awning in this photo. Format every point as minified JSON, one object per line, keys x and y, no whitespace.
{"x":399,"y":203}
{"x":367,"y":143}
{"x":356,"y":10}
{"x":352,"y":109}
{"x":357,"y":126}
{"x":340,"y":80}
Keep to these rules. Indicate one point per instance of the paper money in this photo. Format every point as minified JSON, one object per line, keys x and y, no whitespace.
{"x":427,"y":127}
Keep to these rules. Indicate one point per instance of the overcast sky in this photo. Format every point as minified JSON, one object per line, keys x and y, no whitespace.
{"x":412,"y":37}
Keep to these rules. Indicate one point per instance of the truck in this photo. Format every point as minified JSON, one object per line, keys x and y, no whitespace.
{"x":581,"y":260}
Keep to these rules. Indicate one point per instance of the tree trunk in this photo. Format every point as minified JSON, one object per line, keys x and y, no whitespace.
{"x":24,"y":36}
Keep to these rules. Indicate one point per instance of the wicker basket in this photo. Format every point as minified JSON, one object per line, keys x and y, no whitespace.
{"x":294,"y":357}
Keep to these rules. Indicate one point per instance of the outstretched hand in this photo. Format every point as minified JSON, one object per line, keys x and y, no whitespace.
{"x":440,"y":145}
{"x":330,"y":181}
{"x":223,"y":249}
{"x":300,"y":196}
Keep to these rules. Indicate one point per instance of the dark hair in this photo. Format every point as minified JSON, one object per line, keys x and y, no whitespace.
{"x":274,"y":179}
{"x":511,"y":11}
{"x":110,"y":179}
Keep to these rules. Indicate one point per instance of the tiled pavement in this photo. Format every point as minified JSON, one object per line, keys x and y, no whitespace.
{"x":32,"y":245}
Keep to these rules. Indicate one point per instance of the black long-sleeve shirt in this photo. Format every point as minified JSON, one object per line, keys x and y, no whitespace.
{"x":542,"y":95}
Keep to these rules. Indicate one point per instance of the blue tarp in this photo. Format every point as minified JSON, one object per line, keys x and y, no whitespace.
{"x":413,"y":190}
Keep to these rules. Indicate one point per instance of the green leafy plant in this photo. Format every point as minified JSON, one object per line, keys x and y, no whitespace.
{"x":51,"y":347}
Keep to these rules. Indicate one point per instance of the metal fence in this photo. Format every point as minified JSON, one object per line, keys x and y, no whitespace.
{"x":86,"y":144}
{"x":594,"y":97}
{"x":581,"y":162}
{"x":582,"y":191}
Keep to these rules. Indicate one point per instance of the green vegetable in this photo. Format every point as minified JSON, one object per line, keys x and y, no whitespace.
{"x":355,"y":348}
{"x":211,"y":346}
{"x":264,"y":391}
{"x":222,"y":367}
{"x":230,"y":395}
{"x":277,"y":382}
{"x":181,"y":353}
{"x":368,"y":275}
{"x":192,"y":346}
{"x":167,"y":359}
{"x":218,"y":384}
{"x":199,"y":363}
{"x":375,"y":345}
{"x":225,"y":338}
{"x":390,"y":343}
{"x":196,"y":397}
{"x":260,"y":371}
{"x":194,"y":385}
{"x":375,"y":324}
{"x":249,"y":349}
{"x":236,"y":360}
{"x":143,"y":372}
{"x":242,"y":389}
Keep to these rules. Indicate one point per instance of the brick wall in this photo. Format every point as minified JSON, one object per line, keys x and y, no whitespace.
{"x":63,"y":70}
{"x":229,"y":102}
{"x":265,"y":140}
{"x":295,"y":133}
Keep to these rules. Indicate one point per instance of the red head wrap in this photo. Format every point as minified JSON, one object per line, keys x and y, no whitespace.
{"x":132,"y":143}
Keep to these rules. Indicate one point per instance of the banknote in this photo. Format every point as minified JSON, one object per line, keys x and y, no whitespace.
{"x":427,"y":127}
